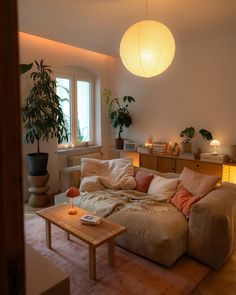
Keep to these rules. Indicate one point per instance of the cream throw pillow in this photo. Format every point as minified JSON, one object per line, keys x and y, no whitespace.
{"x":162,"y":188}
{"x":197,"y":183}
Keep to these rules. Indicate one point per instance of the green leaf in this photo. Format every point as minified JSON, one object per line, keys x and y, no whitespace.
{"x":25,"y":68}
{"x":206,"y":134}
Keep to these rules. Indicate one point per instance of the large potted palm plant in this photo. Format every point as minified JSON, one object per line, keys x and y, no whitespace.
{"x":118,"y":114}
{"x":42,"y":116}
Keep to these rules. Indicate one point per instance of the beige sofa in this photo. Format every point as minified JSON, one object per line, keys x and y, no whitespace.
{"x":158,"y":230}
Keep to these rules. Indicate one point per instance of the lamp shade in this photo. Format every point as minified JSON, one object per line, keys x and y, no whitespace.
{"x":147,"y":48}
{"x":215,"y":142}
{"x":72,"y":192}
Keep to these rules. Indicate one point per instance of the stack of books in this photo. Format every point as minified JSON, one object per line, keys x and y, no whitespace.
{"x":90,"y":219}
{"x":142,"y":149}
{"x":159,"y":148}
{"x":208,"y":157}
{"x":190,"y":156}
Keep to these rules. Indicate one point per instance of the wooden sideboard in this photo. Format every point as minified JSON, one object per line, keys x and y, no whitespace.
{"x":172,"y":164}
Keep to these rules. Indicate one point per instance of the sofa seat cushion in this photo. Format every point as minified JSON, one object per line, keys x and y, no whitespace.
{"x":159,"y":234}
{"x":156,"y":230}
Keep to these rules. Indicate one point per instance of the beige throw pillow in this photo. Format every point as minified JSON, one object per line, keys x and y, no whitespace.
{"x":115,"y":173}
{"x":197,"y":183}
{"x":162,"y":188}
{"x":90,"y":183}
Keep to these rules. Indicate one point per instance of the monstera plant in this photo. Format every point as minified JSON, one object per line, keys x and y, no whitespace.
{"x":42,"y":116}
{"x":118,"y":113}
{"x":189,"y":133}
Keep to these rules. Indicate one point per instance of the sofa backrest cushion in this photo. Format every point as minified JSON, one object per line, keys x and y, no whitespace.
{"x":162,"y":188}
{"x":143,"y":180}
{"x":197,"y":183}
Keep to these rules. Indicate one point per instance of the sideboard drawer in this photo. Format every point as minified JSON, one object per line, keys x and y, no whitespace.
{"x":165,"y":164}
{"x":199,"y":166}
{"x":148,"y":161}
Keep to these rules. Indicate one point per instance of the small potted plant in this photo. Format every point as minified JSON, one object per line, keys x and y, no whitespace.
{"x":118,"y":114}
{"x":42,"y":116}
{"x":189,"y":133}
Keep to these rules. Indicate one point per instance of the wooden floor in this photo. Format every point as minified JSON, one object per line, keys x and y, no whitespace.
{"x":217,"y":282}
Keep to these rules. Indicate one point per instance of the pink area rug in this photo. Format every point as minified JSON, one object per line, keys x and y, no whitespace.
{"x":132,"y":275}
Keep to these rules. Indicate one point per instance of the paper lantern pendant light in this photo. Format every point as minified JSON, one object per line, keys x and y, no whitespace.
{"x":147,"y":48}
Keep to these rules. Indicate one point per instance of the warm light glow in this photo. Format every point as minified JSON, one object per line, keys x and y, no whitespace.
{"x":147,"y":48}
{"x":229,"y":173}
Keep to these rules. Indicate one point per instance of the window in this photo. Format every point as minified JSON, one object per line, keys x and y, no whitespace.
{"x":76,"y":95}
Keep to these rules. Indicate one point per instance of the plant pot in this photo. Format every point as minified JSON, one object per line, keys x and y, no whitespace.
{"x":119,"y":143}
{"x":186,"y":147}
{"x":37,"y":163}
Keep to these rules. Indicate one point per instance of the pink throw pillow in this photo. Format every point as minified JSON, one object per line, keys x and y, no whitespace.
{"x":143,"y":181}
{"x":183,"y":200}
{"x":197,"y":183}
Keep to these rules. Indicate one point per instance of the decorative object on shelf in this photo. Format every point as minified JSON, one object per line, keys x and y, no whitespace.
{"x":174,"y":150}
{"x":188,"y":134}
{"x":160,"y":148}
{"x":72,"y":193}
{"x":215,"y":143}
{"x":118,"y":114}
{"x":130,"y":146}
{"x":149,"y":144}
{"x":233,"y":152}
{"x":142,"y":149}
{"x":147,"y":48}
{"x":215,"y":158}
{"x":42,"y":116}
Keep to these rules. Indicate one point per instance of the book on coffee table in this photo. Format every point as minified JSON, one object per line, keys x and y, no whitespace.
{"x":90,"y":219}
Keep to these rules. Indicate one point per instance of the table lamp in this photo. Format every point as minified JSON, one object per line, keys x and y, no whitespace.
{"x":72,"y":192}
{"x":215,"y":143}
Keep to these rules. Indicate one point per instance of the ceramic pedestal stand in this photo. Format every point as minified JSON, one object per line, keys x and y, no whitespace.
{"x":38,"y":191}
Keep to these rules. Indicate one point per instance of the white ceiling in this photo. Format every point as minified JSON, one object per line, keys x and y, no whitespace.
{"x":98,"y":25}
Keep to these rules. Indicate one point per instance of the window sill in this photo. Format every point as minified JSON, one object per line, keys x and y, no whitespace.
{"x":79,"y":150}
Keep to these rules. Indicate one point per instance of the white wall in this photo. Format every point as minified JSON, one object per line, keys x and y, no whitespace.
{"x":199,"y":90}
{"x":58,"y":55}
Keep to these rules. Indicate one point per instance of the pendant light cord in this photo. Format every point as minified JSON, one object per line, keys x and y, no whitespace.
{"x":146,"y":8}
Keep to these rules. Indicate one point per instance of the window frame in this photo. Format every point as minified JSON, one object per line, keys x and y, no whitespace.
{"x":73,"y":78}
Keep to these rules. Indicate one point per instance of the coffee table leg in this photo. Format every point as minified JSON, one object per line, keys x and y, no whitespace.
{"x":111,"y":252}
{"x":92,"y":262}
{"x":48,"y":235}
{"x":67,"y":235}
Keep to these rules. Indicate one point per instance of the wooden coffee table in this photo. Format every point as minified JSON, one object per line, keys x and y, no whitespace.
{"x":93,"y":235}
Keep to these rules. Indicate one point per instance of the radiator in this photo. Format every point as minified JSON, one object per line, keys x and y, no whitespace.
{"x":75,"y":160}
